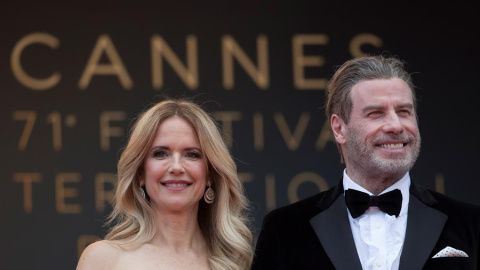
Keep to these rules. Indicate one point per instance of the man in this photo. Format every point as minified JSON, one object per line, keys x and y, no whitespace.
{"x":376,"y":217}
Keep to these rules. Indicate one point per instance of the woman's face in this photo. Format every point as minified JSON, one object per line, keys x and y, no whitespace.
{"x":175,"y":169}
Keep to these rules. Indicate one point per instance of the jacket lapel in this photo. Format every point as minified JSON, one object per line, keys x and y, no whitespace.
{"x":424,"y":226}
{"x":333,"y":230}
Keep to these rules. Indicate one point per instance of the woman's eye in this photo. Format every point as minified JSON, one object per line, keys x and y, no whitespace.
{"x":193,"y":155}
{"x":160,"y":154}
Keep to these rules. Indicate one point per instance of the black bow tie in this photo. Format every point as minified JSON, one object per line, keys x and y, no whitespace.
{"x":358,"y":202}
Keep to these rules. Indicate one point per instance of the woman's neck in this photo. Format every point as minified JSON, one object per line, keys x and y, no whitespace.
{"x":179,"y":231}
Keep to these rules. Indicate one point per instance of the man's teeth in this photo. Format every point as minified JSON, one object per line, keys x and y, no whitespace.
{"x":392,"y":145}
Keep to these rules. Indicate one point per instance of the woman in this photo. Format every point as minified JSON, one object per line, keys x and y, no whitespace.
{"x":179,"y":203}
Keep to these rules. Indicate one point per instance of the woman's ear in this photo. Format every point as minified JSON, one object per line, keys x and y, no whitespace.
{"x":140,"y":177}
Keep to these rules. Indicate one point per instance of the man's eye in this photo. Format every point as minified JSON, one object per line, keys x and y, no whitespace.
{"x":375,"y":113}
{"x":404,"y":112}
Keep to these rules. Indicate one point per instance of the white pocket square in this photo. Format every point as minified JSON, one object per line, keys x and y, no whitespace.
{"x":450,"y":252}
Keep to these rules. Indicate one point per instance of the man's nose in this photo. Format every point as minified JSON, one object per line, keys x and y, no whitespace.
{"x":393,"y":124}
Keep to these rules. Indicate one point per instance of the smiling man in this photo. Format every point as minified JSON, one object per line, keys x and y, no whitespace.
{"x":376,"y":217}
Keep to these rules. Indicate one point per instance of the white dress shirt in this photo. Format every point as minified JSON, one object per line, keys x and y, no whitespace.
{"x":378,"y":236}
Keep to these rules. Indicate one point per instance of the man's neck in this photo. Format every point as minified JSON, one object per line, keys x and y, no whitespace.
{"x":375,"y":183}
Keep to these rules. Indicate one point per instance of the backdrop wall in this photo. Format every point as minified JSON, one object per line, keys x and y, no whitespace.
{"x":74,"y":76}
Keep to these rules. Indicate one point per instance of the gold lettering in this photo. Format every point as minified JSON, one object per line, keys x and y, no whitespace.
{"x":300,"y":61}
{"x":101,"y":194}
{"x":189,"y":74}
{"x":115,"y":67}
{"x":245,"y":177}
{"x":83,"y":241}
{"x":363,"y":39}
{"x":15,"y":63}
{"x":226,"y":118}
{"x":56,"y":120}
{"x":292,"y":140}
{"x":27,"y":179}
{"x":440,"y":183}
{"x":106,"y":131}
{"x":29,"y":117}
{"x":326,"y":135}
{"x":302,"y":178}
{"x":63,"y":193}
{"x":231,"y":49}
{"x":270,"y":197}
{"x":258,"y":136}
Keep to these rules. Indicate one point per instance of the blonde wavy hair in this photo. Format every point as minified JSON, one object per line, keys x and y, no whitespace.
{"x":224,"y":223}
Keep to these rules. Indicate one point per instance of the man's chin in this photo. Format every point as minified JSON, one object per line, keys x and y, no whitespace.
{"x":394,"y":166}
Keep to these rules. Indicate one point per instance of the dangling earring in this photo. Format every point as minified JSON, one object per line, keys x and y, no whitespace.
{"x":209,"y":195}
{"x":142,"y":190}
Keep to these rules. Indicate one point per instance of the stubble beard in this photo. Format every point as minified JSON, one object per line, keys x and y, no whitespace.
{"x":363,"y":153}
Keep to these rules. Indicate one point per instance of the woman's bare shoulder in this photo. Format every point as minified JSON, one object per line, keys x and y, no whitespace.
{"x":99,"y":255}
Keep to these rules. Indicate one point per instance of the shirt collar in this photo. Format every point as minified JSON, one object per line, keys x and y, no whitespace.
{"x":403,"y":185}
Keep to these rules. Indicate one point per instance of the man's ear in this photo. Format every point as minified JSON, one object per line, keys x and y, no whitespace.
{"x":338,"y":128}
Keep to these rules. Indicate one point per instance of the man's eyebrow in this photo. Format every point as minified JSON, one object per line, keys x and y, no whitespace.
{"x":377,"y":107}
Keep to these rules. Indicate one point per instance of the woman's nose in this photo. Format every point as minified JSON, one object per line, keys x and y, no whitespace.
{"x":176,"y":166}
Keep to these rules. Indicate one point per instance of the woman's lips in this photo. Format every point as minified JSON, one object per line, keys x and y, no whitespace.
{"x":176,"y":184}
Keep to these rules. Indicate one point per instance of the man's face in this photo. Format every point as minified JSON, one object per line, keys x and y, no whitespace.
{"x":382,"y":134}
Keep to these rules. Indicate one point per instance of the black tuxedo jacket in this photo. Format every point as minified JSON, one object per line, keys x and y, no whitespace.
{"x":315,"y":233}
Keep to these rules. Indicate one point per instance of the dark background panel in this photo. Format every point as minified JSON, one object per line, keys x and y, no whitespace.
{"x":439,"y":42}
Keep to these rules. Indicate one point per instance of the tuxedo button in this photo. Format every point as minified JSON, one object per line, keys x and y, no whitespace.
{"x":378,"y":264}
